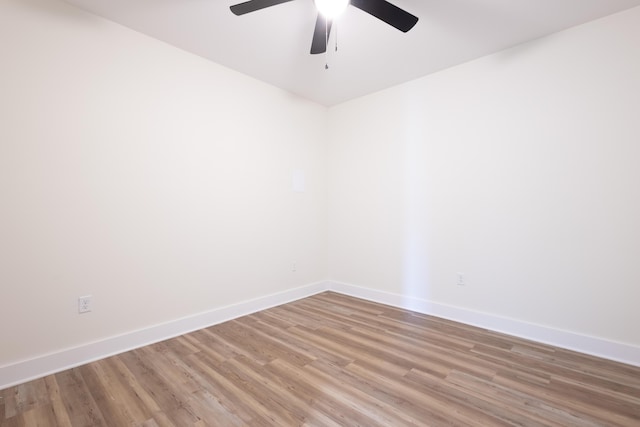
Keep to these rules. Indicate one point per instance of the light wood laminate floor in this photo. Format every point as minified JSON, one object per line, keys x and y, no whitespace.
{"x":334,"y":360}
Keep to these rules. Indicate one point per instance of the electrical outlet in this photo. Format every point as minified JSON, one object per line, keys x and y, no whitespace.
{"x":84,"y":304}
{"x":294,"y":267}
{"x":461,"y":279}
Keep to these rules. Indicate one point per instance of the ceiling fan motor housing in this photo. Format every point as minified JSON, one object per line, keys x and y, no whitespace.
{"x":331,"y":8}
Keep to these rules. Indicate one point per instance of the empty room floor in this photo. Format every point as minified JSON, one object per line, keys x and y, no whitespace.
{"x":334,"y":360}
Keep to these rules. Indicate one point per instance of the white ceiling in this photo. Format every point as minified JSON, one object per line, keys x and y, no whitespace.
{"x":273,"y":44}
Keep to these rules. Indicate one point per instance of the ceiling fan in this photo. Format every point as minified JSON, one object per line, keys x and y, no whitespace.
{"x":381,"y":9}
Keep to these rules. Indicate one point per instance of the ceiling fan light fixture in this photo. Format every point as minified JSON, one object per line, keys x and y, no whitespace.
{"x":331,"y":8}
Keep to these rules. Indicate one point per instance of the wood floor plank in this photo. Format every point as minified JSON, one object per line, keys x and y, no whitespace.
{"x":321,"y":396}
{"x":3,"y":411}
{"x":234,"y":398}
{"x":78,"y":400}
{"x":334,"y":360}
{"x":57,"y":405}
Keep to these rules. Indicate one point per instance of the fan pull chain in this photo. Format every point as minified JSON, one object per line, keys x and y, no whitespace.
{"x":326,"y":44}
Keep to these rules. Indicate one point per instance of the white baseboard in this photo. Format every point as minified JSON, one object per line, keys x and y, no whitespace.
{"x":612,"y":350}
{"x":47,"y":364}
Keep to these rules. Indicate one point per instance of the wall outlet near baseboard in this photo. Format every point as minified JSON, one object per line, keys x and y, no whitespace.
{"x":461,"y":281}
{"x":84,"y":304}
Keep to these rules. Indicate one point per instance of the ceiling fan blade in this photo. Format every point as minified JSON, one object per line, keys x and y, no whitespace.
{"x":320,"y":35}
{"x":385,"y":11}
{"x":253,"y":5}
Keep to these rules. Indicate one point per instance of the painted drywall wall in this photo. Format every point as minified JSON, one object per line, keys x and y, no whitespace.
{"x":147,"y":177}
{"x":519,"y":170}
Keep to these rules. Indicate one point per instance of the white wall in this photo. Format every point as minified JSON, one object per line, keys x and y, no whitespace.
{"x":154,"y":180}
{"x":520,"y":170}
